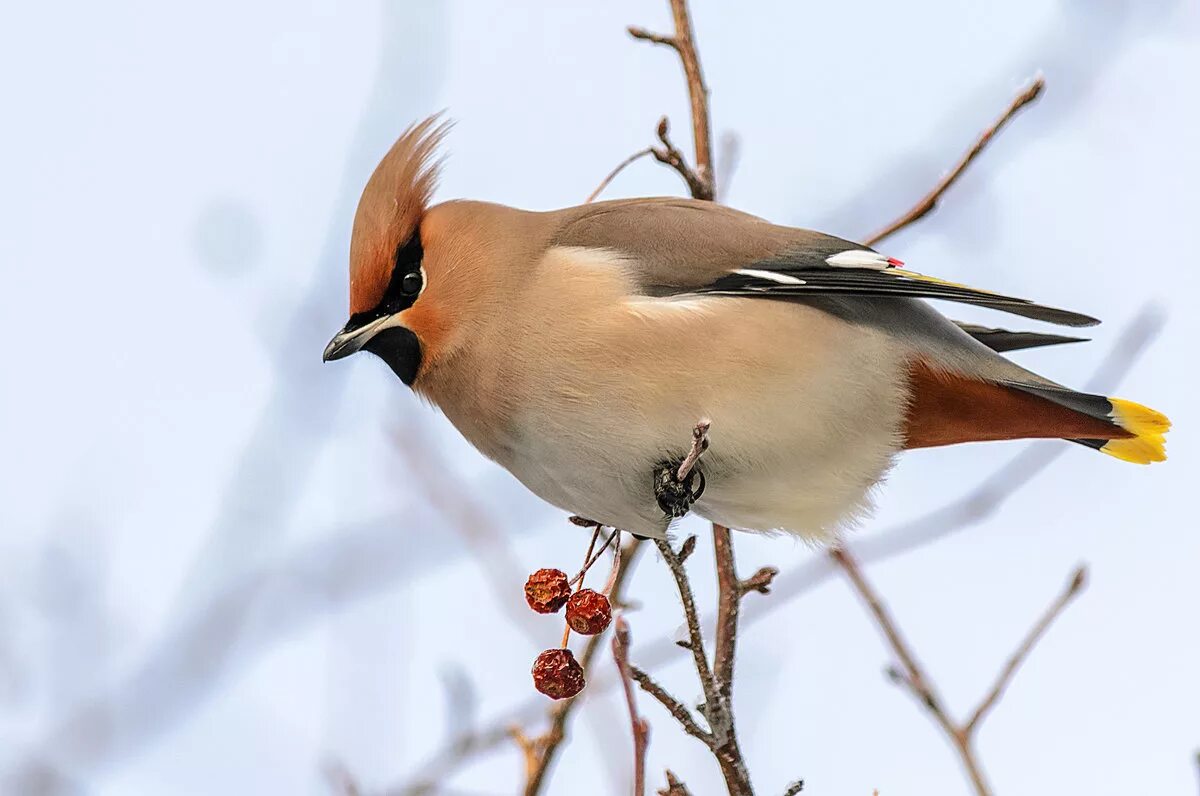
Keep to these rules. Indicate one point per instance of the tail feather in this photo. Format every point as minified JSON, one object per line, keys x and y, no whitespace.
{"x":1149,"y":429}
{"x":1144,"y":437}
{"x":946,"y":408}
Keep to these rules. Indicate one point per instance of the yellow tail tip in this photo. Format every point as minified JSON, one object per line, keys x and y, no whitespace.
{"x":1148,"y":427}
{"x":1138,"y":419}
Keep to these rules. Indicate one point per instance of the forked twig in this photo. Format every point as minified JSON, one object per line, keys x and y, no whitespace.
{"x":913,"y":677}
{"x":701,"y":180}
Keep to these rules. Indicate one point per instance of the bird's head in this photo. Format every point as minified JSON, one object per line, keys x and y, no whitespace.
{"x":387,"y":257}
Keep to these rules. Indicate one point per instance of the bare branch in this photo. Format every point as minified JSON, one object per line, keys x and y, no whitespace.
{"x":641,"y":153}
{"x":912,"y":675}
{"x":673,"y":706}
{"x":641,"y":731}
{"x":729,"y":601}
{"x":701,"y":181}
{"x":717,"y":687}
{"x":691,"y":618}
{"x":530,"y":752}
{"x":685,"y":42}
{"x":1074,"y":587}
{"x":670,"y":155}
{"x":930,"y":201}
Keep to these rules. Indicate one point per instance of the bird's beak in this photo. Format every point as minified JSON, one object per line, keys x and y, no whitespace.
{"x":386,"y":338}
{"x":352,"y":338}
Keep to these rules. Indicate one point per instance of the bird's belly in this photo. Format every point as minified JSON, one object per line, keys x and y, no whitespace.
{"x":803,"y":425}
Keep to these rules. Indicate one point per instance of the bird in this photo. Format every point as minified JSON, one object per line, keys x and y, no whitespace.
{"x":579,"y":348}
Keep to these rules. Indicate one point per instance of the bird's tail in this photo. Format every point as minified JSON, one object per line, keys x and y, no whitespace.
{"x":1140,"y":431}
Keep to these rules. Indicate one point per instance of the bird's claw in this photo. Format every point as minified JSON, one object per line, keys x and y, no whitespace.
{"x":675,"y":497}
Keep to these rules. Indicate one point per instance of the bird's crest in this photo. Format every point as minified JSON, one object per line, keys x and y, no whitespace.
{"x":389,"y":212}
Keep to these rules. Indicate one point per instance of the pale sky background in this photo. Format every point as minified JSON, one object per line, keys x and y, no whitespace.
{"x":176,"y":188}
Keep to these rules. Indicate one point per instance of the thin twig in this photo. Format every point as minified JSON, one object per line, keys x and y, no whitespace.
{"x":670,"y":155}
{"x":676,"y":708}
{"x":701,"y":180}
{"x":962,"y":736}
{"x":722,"y":740}
{"x":1074,"y":587}
{"x":640,"y":730}
{"x":612,"y":174}
{"x":930,"y":201}
{"x":692,"y":620}
{"x":913,"y":676}
{"x":592,"y":558}
{"x":615,"y":572}
{"x":685,"y":44}
{"x":587,"y":564}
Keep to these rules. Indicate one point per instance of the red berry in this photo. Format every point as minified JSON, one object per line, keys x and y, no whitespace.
{"x":547,"y":590}
{"x":588,"y":612}
{"x":557,"y":674}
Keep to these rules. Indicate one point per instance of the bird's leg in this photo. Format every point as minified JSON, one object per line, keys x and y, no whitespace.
{"x":678,"y":483}
{"x":699,"y":446}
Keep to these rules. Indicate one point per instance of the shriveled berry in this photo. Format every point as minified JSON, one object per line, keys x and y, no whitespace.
{"x":547,"y":590}
{"x":588,"y":612}
{"x":557,"y":674}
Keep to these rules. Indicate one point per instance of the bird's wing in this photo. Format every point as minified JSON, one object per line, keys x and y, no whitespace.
{"x":680,"y":246}
{"x":1001,"y":340}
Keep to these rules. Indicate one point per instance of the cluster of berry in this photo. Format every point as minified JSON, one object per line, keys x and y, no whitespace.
{"x":556,"y":673}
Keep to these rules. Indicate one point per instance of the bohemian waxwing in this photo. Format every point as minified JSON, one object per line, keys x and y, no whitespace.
{"x":579,"y":347}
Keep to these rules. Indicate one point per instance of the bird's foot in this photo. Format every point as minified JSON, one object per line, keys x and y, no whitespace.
{"x":676,"y":497}
{"x":679,"y":483}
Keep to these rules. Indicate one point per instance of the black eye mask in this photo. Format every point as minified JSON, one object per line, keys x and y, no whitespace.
{"x":403,"y":287}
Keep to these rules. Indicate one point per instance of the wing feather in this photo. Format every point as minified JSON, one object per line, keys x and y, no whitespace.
{"x":816,"y":280}
{"x":679,"y":247}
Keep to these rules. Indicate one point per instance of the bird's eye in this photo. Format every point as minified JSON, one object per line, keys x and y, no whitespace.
{"x":410,"y":285}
